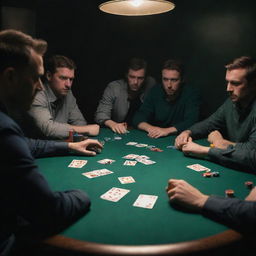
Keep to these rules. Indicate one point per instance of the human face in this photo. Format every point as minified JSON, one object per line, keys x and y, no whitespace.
{"x":171,"y":82}
{"x":135,"y":79}
{"x":237,"y":86}
{"x":27,"y":82}
{"x":61,"y":81}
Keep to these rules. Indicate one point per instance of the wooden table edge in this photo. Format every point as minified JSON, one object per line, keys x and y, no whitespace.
{"x":223,"y":239}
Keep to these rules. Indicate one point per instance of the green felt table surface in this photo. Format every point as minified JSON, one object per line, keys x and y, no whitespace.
{"x":120,"y":222}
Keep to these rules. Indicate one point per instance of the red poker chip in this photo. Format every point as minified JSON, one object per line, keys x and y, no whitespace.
{"x":207,"y":174}
{"x":229,"y":192}
{"x":248,"y":184}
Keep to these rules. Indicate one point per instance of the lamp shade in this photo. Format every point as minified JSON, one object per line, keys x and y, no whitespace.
{"x":136,"y":7}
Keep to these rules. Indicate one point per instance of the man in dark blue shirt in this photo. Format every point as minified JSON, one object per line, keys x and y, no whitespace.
{"x":29,"y":208}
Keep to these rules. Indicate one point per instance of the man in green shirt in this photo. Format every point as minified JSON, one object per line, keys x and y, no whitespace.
{"x":171,"y":107}
{"x":231,"y":130}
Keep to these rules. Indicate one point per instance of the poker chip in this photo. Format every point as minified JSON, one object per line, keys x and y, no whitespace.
{"x":249,"y":184}
{"x":229,"y":193}
{"x":207,"y":174}
{"x":215,"y":174}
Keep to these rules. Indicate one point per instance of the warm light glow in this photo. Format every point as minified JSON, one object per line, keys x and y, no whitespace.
{"x":136,"y":3}
{"x":136,"y":7}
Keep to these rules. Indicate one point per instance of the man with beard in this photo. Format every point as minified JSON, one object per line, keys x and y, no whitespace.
{"x":123,"y":97}
{"x":231,"y":130}
{"x":171,"y":107}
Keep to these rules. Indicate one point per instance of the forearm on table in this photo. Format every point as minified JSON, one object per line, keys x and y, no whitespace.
{"x":145,"y":126}
{"x":90,"y":129}
{"x":222,"y":143}
{"x":110,"y":123}
{"x":171,"y":130}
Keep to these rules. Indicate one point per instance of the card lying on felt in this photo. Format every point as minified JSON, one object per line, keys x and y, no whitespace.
{"x":126,"y":180}
{"x":130,"y":156}
{"x":106,"y":161}
{"x":145,"y":201}
{"x":114,"y":194}
{"x":198,"y":167}
{"x":131,"y":163}
{"x":97,"y":173}
{"x":77,"y":163}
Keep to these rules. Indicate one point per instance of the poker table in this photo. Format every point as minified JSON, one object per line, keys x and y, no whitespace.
{"x":119,"y":228}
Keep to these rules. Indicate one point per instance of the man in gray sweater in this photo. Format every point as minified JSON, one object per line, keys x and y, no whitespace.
{"x":123,"y":97}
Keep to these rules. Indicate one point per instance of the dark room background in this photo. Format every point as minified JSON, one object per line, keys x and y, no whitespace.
{"x":204,"y":34}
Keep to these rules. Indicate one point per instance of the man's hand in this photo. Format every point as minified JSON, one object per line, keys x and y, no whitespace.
{"x":119,"y":128}
{"x":82,"y":147}
{"x":182,"y":139}
{"x":183,"y":194}
{"x":252,"y":195}
{"x":218,"y":141}
{"x":157,"y":132}
{"x":93,"y":129}
{"x":192,"y":148}
{"x":214,"y":136}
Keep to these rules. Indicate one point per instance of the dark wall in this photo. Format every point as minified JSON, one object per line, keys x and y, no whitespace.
{"x":205,"y":34}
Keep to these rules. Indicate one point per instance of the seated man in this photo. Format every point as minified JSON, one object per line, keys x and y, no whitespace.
{"x":30,"y":209}
{"x":232,"y":128}
{"x":169,"y":108}
{"x":235,"y":213}
{"x":123,"y":97}
{"x":54,"y":108}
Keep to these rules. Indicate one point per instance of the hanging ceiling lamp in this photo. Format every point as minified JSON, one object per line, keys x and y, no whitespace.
{"x":136,"y":7}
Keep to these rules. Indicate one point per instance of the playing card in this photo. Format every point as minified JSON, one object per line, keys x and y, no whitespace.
{"x":145,"y":201}
{"x":97,"y":173}
{"x":198,"y":167}
{"x":126,"y":180}
{"x":130,"y":156}
{"x":141,"y":157}
{"x":77,"y":163}
{"x":106,"y":161}
{"x":131,"y":163}
{"x":131,"y":143}
{"x":145,"y":161}
{"x":114,"y":194}
{"x":171,"y":146}
{"x":140,"y":145}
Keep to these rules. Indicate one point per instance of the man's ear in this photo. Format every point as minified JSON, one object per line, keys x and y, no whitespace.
{"x":10,"y":75}
{"x":48,"y":75}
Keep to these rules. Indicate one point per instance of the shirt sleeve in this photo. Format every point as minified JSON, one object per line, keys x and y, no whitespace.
{"x":215,"y":122}
{"x":234,"y":157}
{"x":250,"y":143}
{"x":29,"y":195}
{"x":75,"y":117}
{"x":45,"y":121}
{"x":106,"y":104}
{"x":234,"y":213}
{"x":44,"y":148}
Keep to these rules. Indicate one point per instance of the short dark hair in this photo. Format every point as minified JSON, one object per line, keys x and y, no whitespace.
{"x":59,"y":61}
{"x":15,"y":48}
{"x":137,"y":64}
{"x":244,"y":62}
{"x":174,"y":65}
